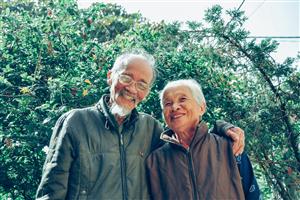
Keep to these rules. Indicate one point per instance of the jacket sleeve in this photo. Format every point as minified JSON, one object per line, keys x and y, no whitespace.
{"x":156,"y":142}
{"x":220,"y":128}
{"x":55,"y":174}
{"x":250,"y":186}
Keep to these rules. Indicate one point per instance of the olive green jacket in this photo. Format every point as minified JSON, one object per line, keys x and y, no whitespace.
{"x":91,"y":157}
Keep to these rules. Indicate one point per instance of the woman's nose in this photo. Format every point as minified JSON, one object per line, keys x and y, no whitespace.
{"x":175,"y":106}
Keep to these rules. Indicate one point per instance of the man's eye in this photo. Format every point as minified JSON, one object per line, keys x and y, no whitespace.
{"x":125,"y":79}
{"x":142,"y":85}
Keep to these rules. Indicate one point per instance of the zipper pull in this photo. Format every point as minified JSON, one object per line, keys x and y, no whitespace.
{"x":121,"y":139}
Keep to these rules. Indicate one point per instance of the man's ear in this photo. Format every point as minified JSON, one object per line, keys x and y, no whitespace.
{"x":109,"y":77}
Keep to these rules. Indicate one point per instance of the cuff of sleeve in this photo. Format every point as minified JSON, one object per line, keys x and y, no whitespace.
{"x":226,"y":127}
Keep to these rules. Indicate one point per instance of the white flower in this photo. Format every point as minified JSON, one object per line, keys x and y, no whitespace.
{"x":45,"y":149}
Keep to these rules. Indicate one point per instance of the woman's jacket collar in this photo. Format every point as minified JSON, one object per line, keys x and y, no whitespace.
{"x":169,"y":135}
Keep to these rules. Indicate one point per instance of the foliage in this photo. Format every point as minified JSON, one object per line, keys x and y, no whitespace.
{"x":54,"y":57}
{"x":52,"y":60}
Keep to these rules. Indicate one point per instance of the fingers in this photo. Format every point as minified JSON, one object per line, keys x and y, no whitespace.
{"x":234,"y":136}
{"x":240,"y":150}
{"x":238,"y":137}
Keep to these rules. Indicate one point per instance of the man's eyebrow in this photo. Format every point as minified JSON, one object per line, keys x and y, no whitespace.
{"x":131,"y":75}
{"x":127,"y":73}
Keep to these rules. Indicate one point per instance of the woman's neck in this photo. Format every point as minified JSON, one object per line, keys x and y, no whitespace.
{"x":185,"y":137}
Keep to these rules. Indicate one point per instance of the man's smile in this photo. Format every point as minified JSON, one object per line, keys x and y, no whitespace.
{"x":129,"y":96}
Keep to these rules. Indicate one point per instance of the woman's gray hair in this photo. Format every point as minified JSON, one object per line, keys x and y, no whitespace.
{"x":192,"y":84}
{"x":126,"y":58}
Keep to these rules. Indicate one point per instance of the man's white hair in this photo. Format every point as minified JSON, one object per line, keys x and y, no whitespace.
{"x":126,"y":58}
{"x":192,"y":84}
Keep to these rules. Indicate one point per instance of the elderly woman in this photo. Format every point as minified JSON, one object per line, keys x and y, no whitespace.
{"x":194,"y":164}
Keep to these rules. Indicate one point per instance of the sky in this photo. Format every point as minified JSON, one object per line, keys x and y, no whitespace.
{"x":276,"y":18}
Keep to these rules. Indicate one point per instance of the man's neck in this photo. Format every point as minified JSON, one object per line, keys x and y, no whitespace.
{"x":119,"y":119}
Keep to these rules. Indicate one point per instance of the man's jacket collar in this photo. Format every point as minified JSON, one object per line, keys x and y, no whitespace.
{"x":102,"y":105}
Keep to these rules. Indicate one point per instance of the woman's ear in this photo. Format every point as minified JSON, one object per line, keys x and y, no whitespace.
{"x":109,"y":77}
{"x":202,"y":108}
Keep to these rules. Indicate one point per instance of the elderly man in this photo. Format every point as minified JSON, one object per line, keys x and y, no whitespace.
{"x":99,"y":152}
{"x":194,"y":164}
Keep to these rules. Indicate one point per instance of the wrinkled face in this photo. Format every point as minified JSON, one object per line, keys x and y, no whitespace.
{"x":128,"y":93}
{"x":180,"y":109}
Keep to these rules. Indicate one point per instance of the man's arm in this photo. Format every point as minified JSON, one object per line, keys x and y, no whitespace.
{"x":156,"y":141}
{"x":250,"y":186}
{"x":236,"y":134}
{"x":54,"y":182}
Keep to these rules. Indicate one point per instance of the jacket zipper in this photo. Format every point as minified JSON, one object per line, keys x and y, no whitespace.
{"x":192,"y":175}
{"x":123,"y":168}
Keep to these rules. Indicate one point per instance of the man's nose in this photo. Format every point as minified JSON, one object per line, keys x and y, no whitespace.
{"x":132,"y":88}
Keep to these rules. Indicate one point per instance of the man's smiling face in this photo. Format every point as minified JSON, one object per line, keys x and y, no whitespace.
{"x":129,"y":95}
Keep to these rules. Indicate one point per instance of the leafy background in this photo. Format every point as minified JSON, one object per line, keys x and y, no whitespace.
{"x":54,"y":57}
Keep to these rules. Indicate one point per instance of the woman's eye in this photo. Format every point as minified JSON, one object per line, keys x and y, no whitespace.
{"x":182,"y":99}
{"x":167,"y":104}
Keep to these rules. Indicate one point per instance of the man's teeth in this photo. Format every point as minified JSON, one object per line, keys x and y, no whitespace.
{"x":129,"y":98}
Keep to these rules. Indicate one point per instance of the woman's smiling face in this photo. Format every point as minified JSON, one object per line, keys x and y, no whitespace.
{"x":181,"y":110}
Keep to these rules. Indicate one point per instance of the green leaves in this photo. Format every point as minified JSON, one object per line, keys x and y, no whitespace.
{"x":55,"y":57}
